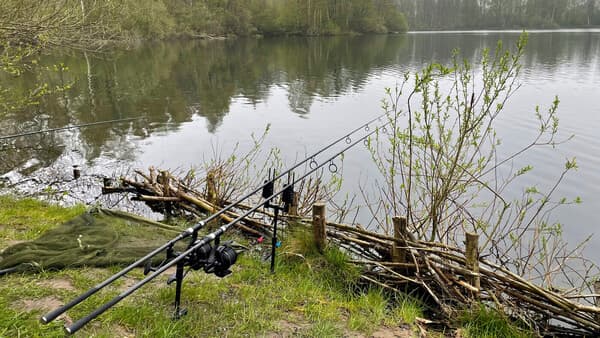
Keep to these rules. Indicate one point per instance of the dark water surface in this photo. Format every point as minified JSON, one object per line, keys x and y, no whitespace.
{"x":199,"y":95}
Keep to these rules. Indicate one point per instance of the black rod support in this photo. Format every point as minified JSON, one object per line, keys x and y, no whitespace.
{"x":179,"y":312}
{"x":274,"y":239}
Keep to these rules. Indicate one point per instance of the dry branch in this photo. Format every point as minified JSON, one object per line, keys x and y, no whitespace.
{"x":163,"y":192}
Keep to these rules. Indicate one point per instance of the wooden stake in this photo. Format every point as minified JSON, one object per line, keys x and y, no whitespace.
{"x":472,"y":256}
{"x":152,"y":175}
{"x":597,"y":291}
{"x":106,"y":182}
{"x":165,"y":178}
{"x":319,"y":222}
{"x":76,"y":172}
{"x":398,"y":253}
{"x":294,"y":206}
{"x":166,"y":183}
{"x":211,"y":196}
{"x":211,"y":188}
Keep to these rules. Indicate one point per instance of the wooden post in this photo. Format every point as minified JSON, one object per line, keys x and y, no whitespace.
{"x":319,"y":223}
{"x":165,"y":178}
{"x":597,"y":292}
{"x":166,"y":183}
{"x":211,"y":197}
{"x":152,"y":175}
{"x":211,"y":188}
{"x":294,"y":206}
{"x":398,"y":253}
{"x":76,"y":172}
{"x":472,"y":257}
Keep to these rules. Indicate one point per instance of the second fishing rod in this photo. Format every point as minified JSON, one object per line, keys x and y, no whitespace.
{"x":200,"y":245}
{"x":193,"y":230}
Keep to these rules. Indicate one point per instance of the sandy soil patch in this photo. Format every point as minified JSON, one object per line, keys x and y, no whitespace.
{"x":57,"y":283}
{"x":127,"y":283}
{"x":389,"y":332}
{"x":44,"y":304}
{"x":121,"y":332}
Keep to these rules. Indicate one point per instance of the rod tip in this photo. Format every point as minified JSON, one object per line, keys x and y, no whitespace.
{"x":68,"y":330}
{"x":44,"y":320}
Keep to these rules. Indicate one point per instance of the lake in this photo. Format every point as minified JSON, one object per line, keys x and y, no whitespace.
{"x":198,"y":96}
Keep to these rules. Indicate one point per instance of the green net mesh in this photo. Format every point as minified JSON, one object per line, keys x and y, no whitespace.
{"x":97,"y":238}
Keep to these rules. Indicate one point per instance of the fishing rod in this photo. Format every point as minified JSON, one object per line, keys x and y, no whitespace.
{"x":193,"y":231}
{"x":201,"y":255}
{"x":51,"y":130}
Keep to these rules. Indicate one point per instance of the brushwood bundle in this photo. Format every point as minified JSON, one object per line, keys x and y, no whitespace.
{"x":451,"y":278}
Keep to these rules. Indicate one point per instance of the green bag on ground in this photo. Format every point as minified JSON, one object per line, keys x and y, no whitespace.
{"x":98,"y":238}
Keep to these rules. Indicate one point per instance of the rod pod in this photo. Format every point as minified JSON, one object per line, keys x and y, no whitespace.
{"x":192,"y":231}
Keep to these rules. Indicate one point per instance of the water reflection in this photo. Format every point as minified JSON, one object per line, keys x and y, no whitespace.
{"x":168,"y":83}
{"x":171,"y":83}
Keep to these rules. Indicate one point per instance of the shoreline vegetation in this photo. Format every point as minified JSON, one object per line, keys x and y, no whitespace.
{"x":92,"y":25}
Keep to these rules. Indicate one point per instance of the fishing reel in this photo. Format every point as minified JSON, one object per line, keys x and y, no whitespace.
{"x":219,"y":263}
{"x":215,"y":259}
{"x":200,"y":256}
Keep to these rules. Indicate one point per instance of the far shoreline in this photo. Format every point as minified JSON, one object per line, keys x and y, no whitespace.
{"x":508,"y":30}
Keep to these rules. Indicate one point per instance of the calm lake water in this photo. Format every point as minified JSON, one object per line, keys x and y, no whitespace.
{"x":199,"y":95}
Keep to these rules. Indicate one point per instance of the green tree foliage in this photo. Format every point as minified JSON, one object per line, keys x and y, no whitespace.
{"x":26,"y":27}
{"x":326,"y":17}
{"x":68,"y":22}
{"x":473,"y":14}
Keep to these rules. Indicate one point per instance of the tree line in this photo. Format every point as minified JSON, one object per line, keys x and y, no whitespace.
{"x":63,"y":21}
{"x":479,"y":14}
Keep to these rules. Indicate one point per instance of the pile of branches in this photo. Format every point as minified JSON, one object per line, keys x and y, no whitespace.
{"x":173,"y":196}
{"x":449,"y":277}
{"x":452,"y":279}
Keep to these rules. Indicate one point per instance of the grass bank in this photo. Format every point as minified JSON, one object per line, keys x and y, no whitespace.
{"x":306,"y":297}
{"x":311,"y":295}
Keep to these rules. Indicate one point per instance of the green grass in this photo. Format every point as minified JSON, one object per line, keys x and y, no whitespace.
{"x":26,"y":219}
{"x":486,"y":322}
{"x":310,"y":295}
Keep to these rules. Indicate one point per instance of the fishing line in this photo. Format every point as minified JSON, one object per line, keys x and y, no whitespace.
{"x":51,"y":130}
